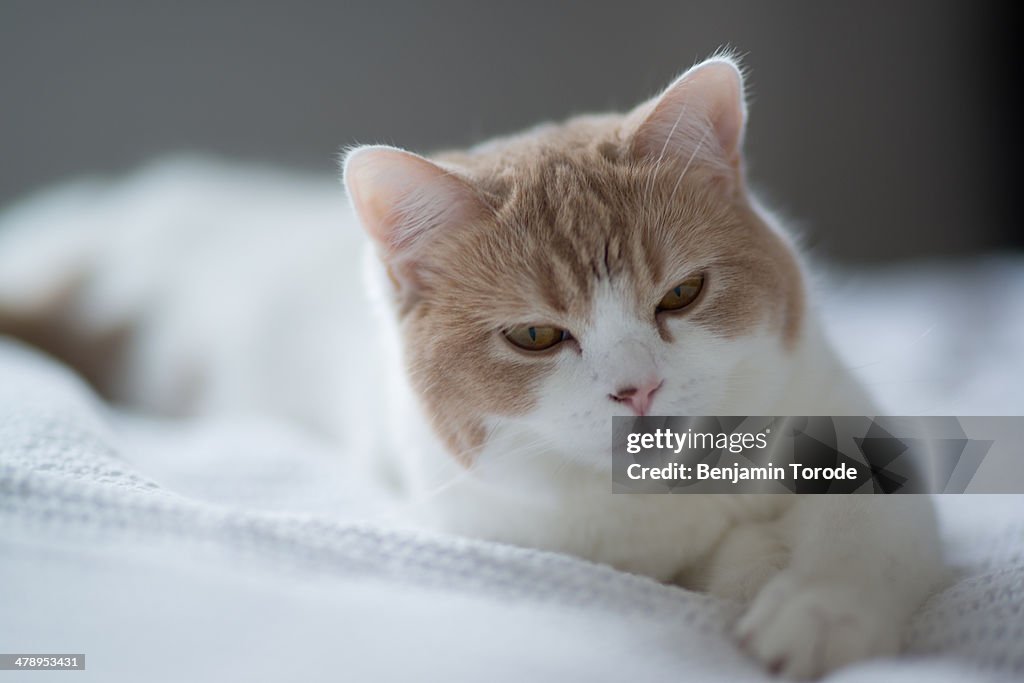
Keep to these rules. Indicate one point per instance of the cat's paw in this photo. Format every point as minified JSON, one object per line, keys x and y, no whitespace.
{"x":804,"y":628}
{"x":745,"y":561}
{"x":744,"y":580}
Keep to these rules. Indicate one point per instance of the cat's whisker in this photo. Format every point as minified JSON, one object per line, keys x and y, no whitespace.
{"x":427,"y":496}
{"x":909,"y":345}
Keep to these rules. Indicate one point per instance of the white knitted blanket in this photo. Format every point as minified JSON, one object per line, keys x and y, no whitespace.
{"x":209,"y":551}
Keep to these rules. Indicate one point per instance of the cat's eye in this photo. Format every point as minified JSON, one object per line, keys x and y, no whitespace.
{"x":535,"y":337}
{"x":682,"y":295}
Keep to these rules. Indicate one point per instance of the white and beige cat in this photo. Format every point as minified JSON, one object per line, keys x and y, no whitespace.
{"x":525,"y":291}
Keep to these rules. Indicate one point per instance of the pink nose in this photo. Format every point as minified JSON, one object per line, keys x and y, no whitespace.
{"x":638,"y":397}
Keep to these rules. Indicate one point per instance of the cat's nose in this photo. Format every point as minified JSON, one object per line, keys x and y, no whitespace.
{"x":639,"y":396}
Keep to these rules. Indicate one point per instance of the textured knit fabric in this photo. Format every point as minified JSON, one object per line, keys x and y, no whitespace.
{"x":199,"y":550}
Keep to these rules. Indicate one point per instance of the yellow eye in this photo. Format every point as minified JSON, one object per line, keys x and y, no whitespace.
{"x":535,"y":337}
{"x":682,"y":295}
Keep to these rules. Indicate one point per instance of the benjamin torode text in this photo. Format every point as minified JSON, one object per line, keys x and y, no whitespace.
{"x":736,"y":442}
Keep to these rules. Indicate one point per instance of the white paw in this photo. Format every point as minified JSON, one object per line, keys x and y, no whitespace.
{"x":743,"y":580}
{"x":803,"y":628}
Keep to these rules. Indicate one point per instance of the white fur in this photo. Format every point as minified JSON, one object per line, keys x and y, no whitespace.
{"x":247,"y":285}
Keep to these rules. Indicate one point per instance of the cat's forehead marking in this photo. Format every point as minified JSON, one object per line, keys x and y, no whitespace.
{"x":579,"y":226}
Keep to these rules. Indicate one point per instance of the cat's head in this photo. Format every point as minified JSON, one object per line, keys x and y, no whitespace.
{"x":608,"y":265}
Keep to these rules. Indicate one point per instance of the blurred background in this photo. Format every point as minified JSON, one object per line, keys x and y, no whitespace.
{"x":883,"y":128}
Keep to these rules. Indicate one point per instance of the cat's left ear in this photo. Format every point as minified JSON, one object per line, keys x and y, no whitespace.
{"x":699,"y":117}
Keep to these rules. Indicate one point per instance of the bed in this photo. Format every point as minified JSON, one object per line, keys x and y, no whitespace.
{"x":231,"y":549}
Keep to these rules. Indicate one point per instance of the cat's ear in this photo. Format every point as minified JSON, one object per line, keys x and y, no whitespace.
{"x":402,"y":199}
{"x":701,"y":116}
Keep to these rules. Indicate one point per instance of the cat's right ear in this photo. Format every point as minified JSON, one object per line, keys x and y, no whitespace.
{"x":402,"y":200}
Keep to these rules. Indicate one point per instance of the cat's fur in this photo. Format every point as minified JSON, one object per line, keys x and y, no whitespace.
{"x":582,"y":225}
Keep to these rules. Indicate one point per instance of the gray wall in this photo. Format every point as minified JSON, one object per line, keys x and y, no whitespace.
{"x":875,"y":124}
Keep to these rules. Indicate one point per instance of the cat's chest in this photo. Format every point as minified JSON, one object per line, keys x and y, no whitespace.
{"x":655,"y":535}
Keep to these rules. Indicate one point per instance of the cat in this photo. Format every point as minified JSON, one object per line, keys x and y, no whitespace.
{"x":525,"y":291}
